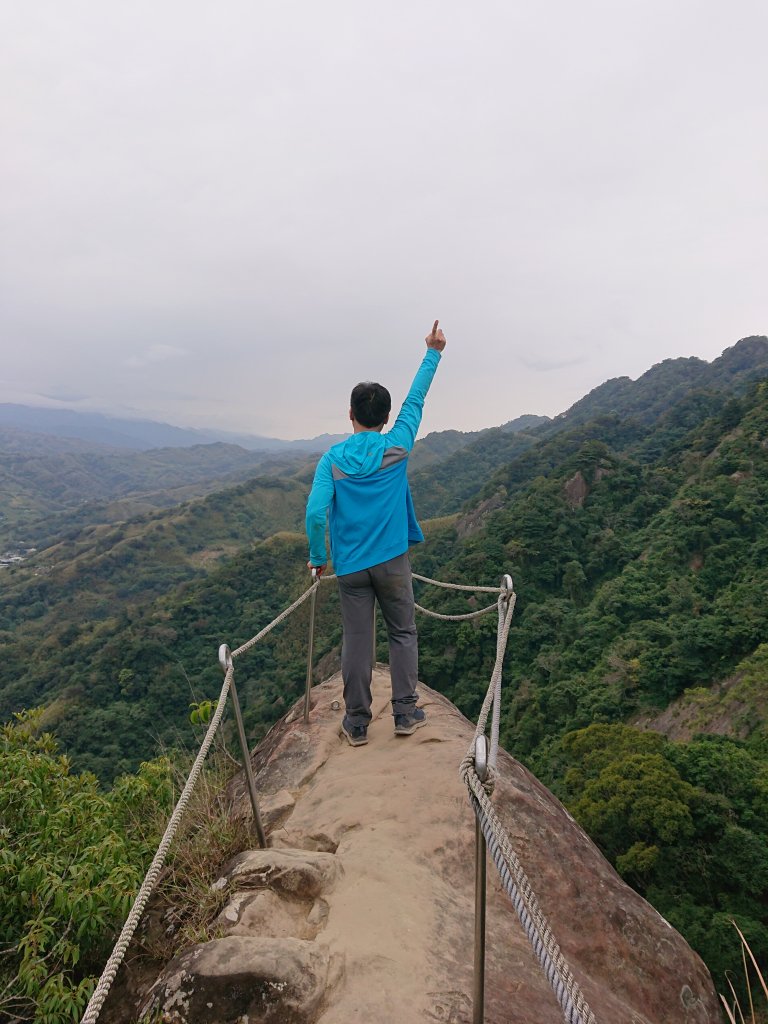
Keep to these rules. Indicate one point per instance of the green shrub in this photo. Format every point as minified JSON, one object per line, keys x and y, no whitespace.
{"x":72,"y":857}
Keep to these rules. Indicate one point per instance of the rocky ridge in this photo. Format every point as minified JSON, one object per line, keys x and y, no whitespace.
{"x":362,"y":906}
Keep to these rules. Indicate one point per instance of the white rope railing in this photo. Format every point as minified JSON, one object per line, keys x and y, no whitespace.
{"x":467,"y":616}
{"x":150,"y":879}
{"x":117,"y":956}
{"x":457,"y":586}
{"x":575,"y":1008}
{"x":456,"y":618}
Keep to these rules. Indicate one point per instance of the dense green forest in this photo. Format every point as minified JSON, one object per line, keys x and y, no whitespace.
{"x":635,"y":527}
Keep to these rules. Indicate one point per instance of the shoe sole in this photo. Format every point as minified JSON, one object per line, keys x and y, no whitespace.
{"x":410,"y":730}
{"x":352,"y":741}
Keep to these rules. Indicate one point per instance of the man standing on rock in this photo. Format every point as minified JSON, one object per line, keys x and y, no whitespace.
{"x":362,"y":486}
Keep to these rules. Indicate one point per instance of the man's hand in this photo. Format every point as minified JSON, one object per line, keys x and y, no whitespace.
{"x":319,"y":569}
{"x":436,"y":339}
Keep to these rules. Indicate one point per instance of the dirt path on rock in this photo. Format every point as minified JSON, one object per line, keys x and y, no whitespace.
{"x":376,"y":803}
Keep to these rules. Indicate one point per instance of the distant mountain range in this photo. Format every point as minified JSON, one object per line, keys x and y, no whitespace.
{"x":141,"y":435}
{"x":23,"y":428}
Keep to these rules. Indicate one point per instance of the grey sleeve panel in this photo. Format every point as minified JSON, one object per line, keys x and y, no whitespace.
{"x":390,"y":458}
{"x":393,"y":455}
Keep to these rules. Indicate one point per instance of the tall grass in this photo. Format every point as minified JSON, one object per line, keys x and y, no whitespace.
{"x":752,"y":974}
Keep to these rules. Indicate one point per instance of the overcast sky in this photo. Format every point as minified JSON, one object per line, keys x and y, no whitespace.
{"x":227,"y":213}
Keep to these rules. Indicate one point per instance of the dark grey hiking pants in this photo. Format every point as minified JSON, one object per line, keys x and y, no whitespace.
{"x":390,"y":583}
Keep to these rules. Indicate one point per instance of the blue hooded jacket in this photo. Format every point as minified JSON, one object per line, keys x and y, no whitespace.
{"x":361,"y":484}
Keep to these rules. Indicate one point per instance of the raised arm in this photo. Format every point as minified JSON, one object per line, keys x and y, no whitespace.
{"x":403,"y":433}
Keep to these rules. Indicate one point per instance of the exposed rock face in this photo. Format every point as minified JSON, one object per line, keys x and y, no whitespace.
{"x":475,"y":520}
{"x":576,"y":490}
{"x":362,"y":909}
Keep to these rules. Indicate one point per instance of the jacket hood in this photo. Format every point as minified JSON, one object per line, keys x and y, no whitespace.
{"x":360,"y":454}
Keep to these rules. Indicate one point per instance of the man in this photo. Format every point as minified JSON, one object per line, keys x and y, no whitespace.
{"x":361,"y":483}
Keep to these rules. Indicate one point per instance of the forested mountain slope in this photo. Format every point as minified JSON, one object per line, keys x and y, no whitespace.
{"x":102,"y":572}
{"x":117,"y":686}
{"x":624,"y":407}
{"x":639,"y":574}
{"x":443,"y":488}
{"x":666,"y":383}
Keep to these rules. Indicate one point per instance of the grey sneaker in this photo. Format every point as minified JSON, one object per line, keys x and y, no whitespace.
{"x":355,"y":735}
{"x":407,"y":724}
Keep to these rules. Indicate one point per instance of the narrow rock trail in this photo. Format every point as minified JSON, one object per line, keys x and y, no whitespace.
{"x":387,"y":808}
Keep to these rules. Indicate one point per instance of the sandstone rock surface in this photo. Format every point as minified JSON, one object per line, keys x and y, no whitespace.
{"x":367,"y":894}
{"x":294,"y":873}
{"x":244,"y":978}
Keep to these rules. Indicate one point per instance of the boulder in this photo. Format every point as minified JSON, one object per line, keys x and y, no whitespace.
{"x":267,"y":914}
{"x":299,"y":874}
{"x":230,"y":980}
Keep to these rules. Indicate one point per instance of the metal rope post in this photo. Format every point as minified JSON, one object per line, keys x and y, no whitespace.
{"x":478,"y":988}
{"x":310,"y":648}
{"x":225,"y":660}
{"x":373,"y":658}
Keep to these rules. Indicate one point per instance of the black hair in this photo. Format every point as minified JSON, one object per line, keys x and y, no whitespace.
{"x":370,"y":403}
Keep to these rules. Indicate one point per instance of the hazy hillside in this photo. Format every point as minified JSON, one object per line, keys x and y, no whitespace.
{"x":96,"y":572}
{"x":13,"y":440}
{"x":440,"y":444}
{"x":43,"y":493}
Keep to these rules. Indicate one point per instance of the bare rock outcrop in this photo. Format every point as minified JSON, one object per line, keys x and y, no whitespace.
{"x":576,"y":490}
{"x":473,"y":521}
{"x":362,"y":908}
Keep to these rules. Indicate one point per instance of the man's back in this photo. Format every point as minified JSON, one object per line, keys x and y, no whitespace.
{"x":362,"y":483}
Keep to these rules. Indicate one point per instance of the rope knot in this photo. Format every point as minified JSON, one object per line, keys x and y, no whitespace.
{"x":489,"y":783}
